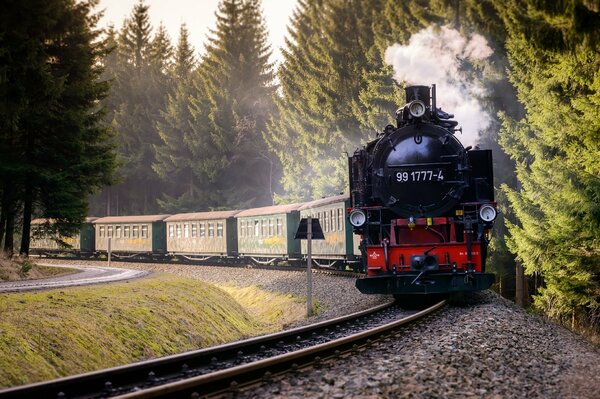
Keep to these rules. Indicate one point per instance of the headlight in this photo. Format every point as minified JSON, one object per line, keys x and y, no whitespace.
{"x":357,"y":218}
{"x":487,"y":213}
{"x":416,"y":108}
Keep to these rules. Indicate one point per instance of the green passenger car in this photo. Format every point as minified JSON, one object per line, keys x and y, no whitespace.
{"x":43,"y":242}
{"x":340,"y":247}
{"x":132,"y":234}
{"x":202,"y":235}
{"x":266,"y":235}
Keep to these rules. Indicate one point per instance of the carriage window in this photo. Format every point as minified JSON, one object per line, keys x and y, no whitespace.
{"x":242,"y":229}
{"x":144,"y":231}
{"x":279,"y":227}
{"x":135,"y":231}
{"x":219,"y":229}
{"x":178,"y":230}
{"x":171,"y":230}
{"x":102,"y":231}
{"x":118,"y":231}
{"x":186,"y":230}
{"x":126,"y":231}
{"x":110,"y":231}
{"x":256,"y":228}
{"x":194,"y":230}
{"x":271,"y":225}
{"x":332,"y":220}
{"x":202,"y":230}
{"x":264,"y":227}
{"x":211,"y":230}
{"x":340,"y":218}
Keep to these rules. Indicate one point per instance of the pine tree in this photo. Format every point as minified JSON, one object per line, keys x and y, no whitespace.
{"x":231,"y":107}
{"x":321,"y":80}
{"x":554,"y":65}
{"x":61,"y":152}
{"x":141,"y":89}
{"x":174,"y":158}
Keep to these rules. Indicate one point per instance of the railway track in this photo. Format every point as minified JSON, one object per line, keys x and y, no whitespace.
{"x":315,"y":269}
{"x":227,"y":367}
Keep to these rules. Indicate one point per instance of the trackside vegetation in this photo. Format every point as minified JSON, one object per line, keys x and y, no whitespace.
{"x":50,"y":334}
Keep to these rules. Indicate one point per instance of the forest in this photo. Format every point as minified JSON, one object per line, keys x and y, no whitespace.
{"x":125,"y":120}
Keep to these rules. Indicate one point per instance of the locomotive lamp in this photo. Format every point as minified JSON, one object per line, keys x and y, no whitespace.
{"x":487,"y":213}
{"x":416,"y":108}
{"x":357,"y":218}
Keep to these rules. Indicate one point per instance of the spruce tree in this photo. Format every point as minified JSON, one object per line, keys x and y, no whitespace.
{"x":321,"y":79}
{"x":231,"y":107}
{"x":174,"y":159}
{"x":141,"y":88}
{"x":61,"y":152}
{"x":554,"y":66}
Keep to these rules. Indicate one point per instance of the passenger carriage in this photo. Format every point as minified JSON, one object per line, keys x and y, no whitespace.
{"x":131,"y":236}
{"x":202,"y":235}
{"x":43,"y":243}
{"x":266,"y":235}
{"x":340,"y":246}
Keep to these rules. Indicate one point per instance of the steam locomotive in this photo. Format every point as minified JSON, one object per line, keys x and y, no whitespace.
{"x":423,"y":204}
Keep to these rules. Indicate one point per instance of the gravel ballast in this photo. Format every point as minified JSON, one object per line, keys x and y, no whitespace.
{"x":489,"y":348}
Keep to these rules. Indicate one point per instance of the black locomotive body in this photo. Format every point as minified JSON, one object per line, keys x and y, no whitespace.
{"x":423,"y":204}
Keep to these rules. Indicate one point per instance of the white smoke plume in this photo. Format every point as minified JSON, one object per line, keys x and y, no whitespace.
{"x":434,"y":56}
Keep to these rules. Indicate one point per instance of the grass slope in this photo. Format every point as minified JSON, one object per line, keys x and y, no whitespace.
{"x":14,"y":269}
{"x":49,"y":334}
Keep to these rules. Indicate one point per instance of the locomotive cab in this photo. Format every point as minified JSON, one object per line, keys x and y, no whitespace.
{"x":423,"y":204}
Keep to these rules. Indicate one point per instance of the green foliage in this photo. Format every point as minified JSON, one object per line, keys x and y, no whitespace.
{"x":55,"y":151}
{"x":230,"y":108}
{"x":174,"y":159}
{"x":554,"y":66}
{"x":321,"y":80}
{"x":139,"y":69}
{"x":26,"y":267}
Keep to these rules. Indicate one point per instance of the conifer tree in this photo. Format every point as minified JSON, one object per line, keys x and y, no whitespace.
{"x":554,"y":66}
{"x":174,"y":158}
{"x":231,"y":107}
{"x":321,"y":78}
{"x":141,"y":89}
{"x":61,"y":152}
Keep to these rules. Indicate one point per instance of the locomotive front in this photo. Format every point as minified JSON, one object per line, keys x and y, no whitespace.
{"x":423,"y":204}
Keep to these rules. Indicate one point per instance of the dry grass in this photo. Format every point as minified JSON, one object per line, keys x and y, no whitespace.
{"x":22,"y":268}
{"x":49,"y":334}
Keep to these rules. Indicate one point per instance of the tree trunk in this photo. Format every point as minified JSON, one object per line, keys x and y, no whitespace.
{"x":27,"y":210}
{"x":3,"y":213}
{"x":520,"y":284}
{"x":108,"y":201}
{"x":10,"y":231}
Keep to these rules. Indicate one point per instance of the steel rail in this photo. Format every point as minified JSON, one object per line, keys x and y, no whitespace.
{"x":323,"y":270}
{"x":219,"y":381}
{"x":81,"y":385}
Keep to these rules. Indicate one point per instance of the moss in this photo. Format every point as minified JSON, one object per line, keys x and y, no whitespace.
{"x":49,"y":334}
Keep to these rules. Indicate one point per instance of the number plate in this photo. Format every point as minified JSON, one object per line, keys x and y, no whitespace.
{"x":415,"y":176}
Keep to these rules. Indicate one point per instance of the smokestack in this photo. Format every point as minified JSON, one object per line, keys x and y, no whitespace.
{"x":418,"y":93}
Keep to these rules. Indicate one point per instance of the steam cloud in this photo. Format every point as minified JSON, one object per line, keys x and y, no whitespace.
{"x":436,"y":56}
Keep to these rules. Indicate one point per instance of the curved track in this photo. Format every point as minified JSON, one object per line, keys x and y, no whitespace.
{"x":88,"y":275}
{"x":215,"y":370}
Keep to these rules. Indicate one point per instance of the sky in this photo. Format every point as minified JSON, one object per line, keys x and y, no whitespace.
{"x":199,"y":16}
